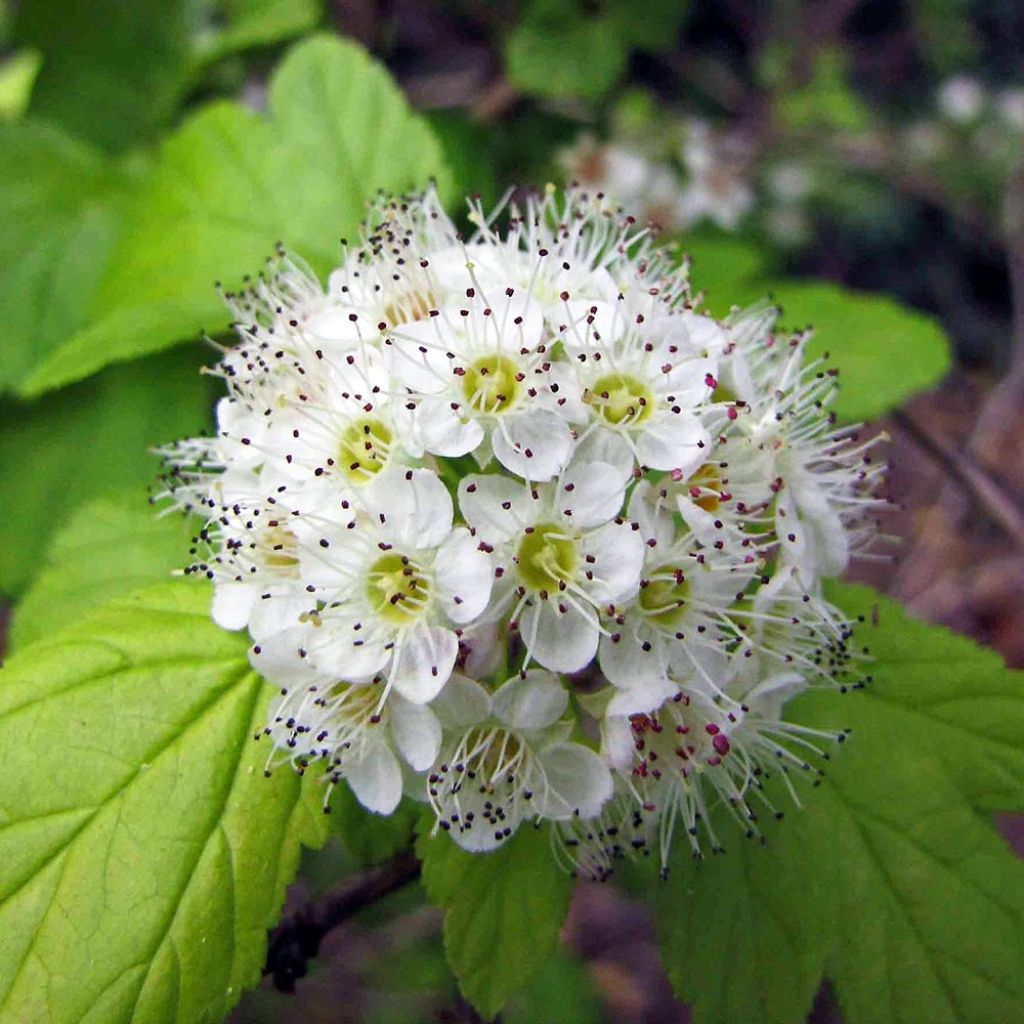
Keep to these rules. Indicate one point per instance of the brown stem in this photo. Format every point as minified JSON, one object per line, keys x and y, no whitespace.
{"x":297,"y":938}
{"x":970,"y":475}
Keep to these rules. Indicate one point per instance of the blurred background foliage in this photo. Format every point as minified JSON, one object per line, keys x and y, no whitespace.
{"x":810,"y":150}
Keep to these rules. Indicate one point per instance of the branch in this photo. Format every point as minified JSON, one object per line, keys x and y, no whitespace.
{"x":1003,"y":404}
{"x":296,"y":940}
{"x":967,"y":471}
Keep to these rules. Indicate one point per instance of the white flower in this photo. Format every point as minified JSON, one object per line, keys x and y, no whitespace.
{"x":783,"y":447}
{"x":680,"y":618}
{"x":660,"y":499}
{"x":591,"y":846}
{"x":706,"y":748}
{"x":343,"y":429}
{"x":351,"y":727}
{"x":790,"y":626}
{"x":716,"y":188}
{"x":646,"y":189}
{"x":556,"y":246}
{"x":562,"y":555}
{"x":961,"y":98}
{"x":486,"y":378}
{"x":509,"y":759}
{"x":643,"y":375}
{"x":387,"y":586}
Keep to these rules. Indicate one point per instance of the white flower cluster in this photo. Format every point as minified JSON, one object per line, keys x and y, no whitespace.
{"x":707,"y":182}
{"x":520,"y":534}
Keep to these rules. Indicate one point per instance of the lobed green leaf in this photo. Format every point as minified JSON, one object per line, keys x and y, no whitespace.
{"x":569,"y":49}
{"x":143,"y":855}
{"x":109,"y":547}
{"x":113,"y":72}
{"x":890,"y":878}
{"x":884,"y":351}
{"x":235,"y":25}
{"x":743,"y":933}
{"x":371,"y":838}
{"x":88,"y":441}
{"x":60,"y":216}
{"x":503,"y":909}
{"x":231,"y":184}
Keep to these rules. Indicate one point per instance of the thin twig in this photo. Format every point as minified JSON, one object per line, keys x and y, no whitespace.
{"x":1006,"y":399}
{"x":1006,"y":512}
{"x":296,"y":940}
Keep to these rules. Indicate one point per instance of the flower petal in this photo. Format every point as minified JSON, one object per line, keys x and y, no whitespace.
{"x":603,"y":445}
{"x":464,"y":576}
{"x":615,"y":553}
{"x":561,"y":641}
{"x":639,"y":699}
{"x":495,"y":506}
{"x":591,"y":493}
{"x":533,"y":702}
{"x":418,"y":355}
{"x":233,"y":603}
{"x":463,"y":702}
{"x":280,"y":662}
{"x":704,"y":333}
{"x":271,"y":615}
{"x":649,"y":510}
{"x":627,"y":665}
{"x":618,"y":742}
{"x":416,"y":732}
{"x":578,"y":782}
{"x":673,"y":441}
{"x":423,"y":662}
{"x":443,"y":432}
{"x":376,"y":778}
{"x":534,"y":444}
{"x":414,"y":507}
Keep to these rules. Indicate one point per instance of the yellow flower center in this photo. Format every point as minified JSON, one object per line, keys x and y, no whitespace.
{"x":490,"y":384}
{"x":365,"y":449}
{"x":705,"y":487}
{"x":620,"y":399}
{"x":279,"y":551}
{"x":397,"y":588}
{"x":546,"y":557}
{"x":664,"y":596}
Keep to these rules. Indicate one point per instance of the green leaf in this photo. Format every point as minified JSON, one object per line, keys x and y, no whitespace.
{"x":936,"y":684}
{"x":59,"y":220}
{"x":928,"y":900}
{"x":17,"y":77}
{"x":742,"y":934}
{"x":231,"y":184}
{"x":826,"y":102}
{"x":724,"y":268}
{"x":655,"y":26}
{"x":113,"y":72}
{"x":562,"y":991}
{"x":573,"y":49}
{"x":143,"y":855}
{"x":889,"y":875}
{"x":371,"y":838}
{"x":235,"y":25}
{"x":503,"y":909}
{"x":884,"y":352}
{"x":87,"y":441}
{"x":109,"y":547}
{"x":559,"y":51}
